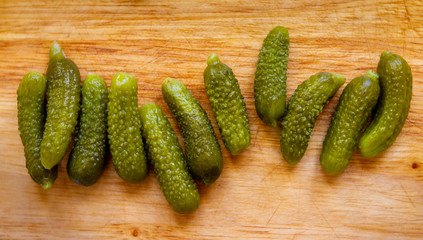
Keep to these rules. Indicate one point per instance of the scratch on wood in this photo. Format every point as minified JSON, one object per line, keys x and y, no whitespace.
{"x":408,"y":196}
{"x":273,"y":214}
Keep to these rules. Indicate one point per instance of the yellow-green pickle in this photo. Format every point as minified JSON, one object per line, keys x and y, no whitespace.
{"x":124,"y":129}
{"x":270,"y":76}
{"x":89,"y":154}
{"x":396,"y":82}
{"x":31,"y":119}
{"x":203,"y":153}
{"x":63,"y":95}
{"x":168,"y":160}
{"x":304,"y":106}
{"x":351,"y":115}
{"x":228,"y":104}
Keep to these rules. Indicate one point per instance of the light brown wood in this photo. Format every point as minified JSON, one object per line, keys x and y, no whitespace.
{"x":258,"y":195}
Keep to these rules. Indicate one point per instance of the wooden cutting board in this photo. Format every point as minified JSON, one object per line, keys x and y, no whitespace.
{"x":258,"y":195}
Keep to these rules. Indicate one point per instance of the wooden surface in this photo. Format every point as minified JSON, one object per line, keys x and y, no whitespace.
{"x":258,"y":195}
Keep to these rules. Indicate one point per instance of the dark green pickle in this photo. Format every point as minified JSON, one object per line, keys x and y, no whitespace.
{"x":304,"y":106}
{"x":228,"y":104}
{"x":270,"y":76}
{"x":124,"y":129}
{"x":351,"y":115}
{"x":396,"y":82}
{"x":203,"y":153}
{"x":63,"y":95}
{"x":31,"y":119}
{"x":168,"y":160}
{"x":89,"y":154}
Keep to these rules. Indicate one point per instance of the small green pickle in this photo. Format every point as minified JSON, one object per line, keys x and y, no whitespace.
{"x":63,"y":95}
{"x":204,"y":156}
{"x":228,"y":104}
{"x":270,"y":76}
{"x":304,"y":106}
{"x":89,"y":154}
{"x":167,"y":158}
{"x":124,"y":129}
{"x":351,"y":115}
{"x":31,"y":119}
{"x":396,"y":82}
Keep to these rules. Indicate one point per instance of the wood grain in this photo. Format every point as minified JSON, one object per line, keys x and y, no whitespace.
{"x":258,"y":195}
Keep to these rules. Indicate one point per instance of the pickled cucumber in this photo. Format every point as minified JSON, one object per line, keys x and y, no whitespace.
{"x":124,"y":129}
{"x":228,"y":104}
{"x":351,"y":115}
{"x":63,"y":94}
{"x":31,"y":119}
{"x":89,"y":154}
{"x":396,"y":83}
{"x":203,"y":153}
{"x":168,"y":160}
{"x":304,"y":106}
{"x":270,"y":77}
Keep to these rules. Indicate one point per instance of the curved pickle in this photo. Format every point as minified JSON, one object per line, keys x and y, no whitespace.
{"x":202,"y":150}
{"x":228,"y":104}
{"x":168,"y":160}
{"x":396,"y":83}
{"x":351,"y":115}
{"x":63,"y":92}
{"x":31,"y":119}
{"x":304,"y":107}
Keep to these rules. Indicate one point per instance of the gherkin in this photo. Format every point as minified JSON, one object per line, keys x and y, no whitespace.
{"x":63,"y":95}
{"x":124,"y":129}
{"x":168,"y":160}
{"x":396,"y":82}
{"x":270,"y":76}
{"x":204,"y":156}
{"x":31,"y":119}
{"x":304,"y":106}
{"x":228,"y":104}
{"x":351,"y":115}
{"x":89,"y":154}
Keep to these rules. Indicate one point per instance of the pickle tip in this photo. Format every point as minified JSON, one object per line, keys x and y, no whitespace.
{"x":55,"y":51}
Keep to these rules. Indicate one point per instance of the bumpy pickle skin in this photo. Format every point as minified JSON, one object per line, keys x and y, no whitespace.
{"x":228,"y":104}
{"x":167,"y":158}
{"x":124,"y":129}
{"x":89,"y":154}
{"x":203,"y":153}
{"x":270,"y":76}
{"x":304,"y":106}
{"x":63,"y":95}
{"x":31,"y":118}
{"x":351,"y":115}
{"x":396,"y":82}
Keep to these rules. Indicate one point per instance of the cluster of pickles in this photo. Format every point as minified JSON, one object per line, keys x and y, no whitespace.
{"x":386,"y":93}
{"x":53,"y":108}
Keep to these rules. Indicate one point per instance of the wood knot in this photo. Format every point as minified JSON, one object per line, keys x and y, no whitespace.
{"x":415,"y":165}
{"x":135,"y":233}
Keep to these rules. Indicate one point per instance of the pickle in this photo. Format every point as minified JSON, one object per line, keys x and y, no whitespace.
{"x":63,"y":94}
{"x":228,"y":104}
{"x":31,"y":119}
{"x":168,"y":160}
{"x":89,"y":154}
{"x":396,"y":82}
{"x":124,"y":129}
{"x":304,"y":106}
{"x":270,"y":77}
{"x":351,"y":115}
{"x":203,"y":153}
